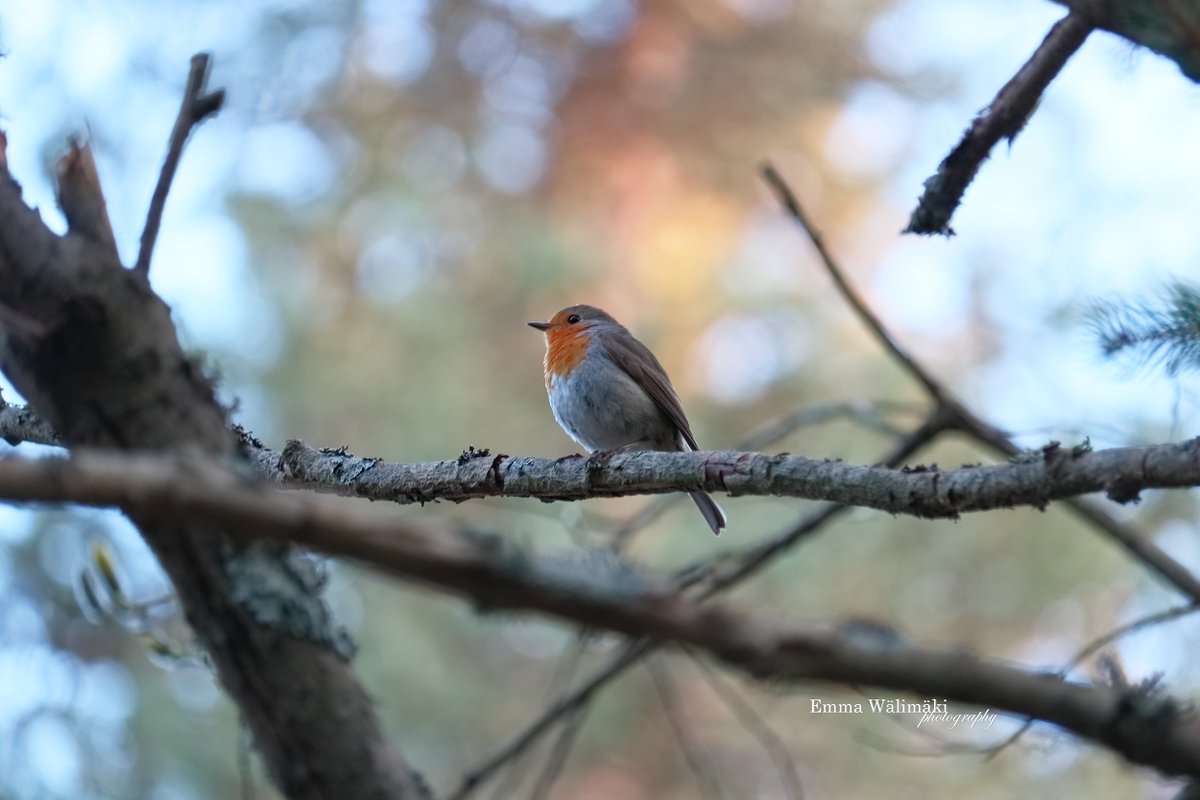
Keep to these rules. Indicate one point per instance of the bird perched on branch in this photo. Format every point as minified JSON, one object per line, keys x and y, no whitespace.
{"x":608,"y":391}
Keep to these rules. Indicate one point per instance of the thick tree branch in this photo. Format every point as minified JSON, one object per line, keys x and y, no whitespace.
{"x":1053,"y":473}
{"x":198,"y":103}
{"x":1003,"y":119}
{"x":101,"y":362}
{"x":1145,"y":728}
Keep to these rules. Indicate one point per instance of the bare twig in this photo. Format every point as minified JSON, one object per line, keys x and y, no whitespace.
{"x":564,"y":672}
{"x":1140,"y":624}
{"x":698,"y":762}
{"x":245,"y":767}
{"x":562,"y":707}
{"x":787,"y":198}
{"x":559,"y":753}
{"x":198,"y":104}
{"x":957,"y":416}
{"x":754,"y":723}
{"x":870,"y":415}
{"x":1003,"y":119}
{"x":718,"y":574}
{"x":1089,"y":650}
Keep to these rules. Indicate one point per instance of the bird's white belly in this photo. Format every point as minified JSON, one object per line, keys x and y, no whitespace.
{"x":601,"y":408}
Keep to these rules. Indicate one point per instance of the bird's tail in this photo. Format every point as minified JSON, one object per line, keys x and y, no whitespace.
{"x":712,"y":512}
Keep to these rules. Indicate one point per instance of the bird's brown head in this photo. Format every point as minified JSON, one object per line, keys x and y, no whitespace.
{"x":567,"y":337}
{"x":580,"y":316}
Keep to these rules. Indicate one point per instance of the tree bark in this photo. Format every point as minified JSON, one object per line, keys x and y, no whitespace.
{"x":94,"y":350}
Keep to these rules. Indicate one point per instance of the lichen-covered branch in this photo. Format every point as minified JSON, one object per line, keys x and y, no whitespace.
{"x":1034,"y":479}
{"x":1143,"y":725}
{"x":1050,"y":474}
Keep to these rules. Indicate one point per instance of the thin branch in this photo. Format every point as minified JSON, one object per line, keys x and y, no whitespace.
{"x":564,"y":706}
{"x":870,"y":415}
{"x":1140,"y":624}
{"x":559,"y":753}
{"x":698,"y":762}
{"x":716,"y":575}
{"x":1092,"y":648}
{"x":564,"y":672}
{"x":954,"y":414}
{"x":198,"y":104}
{"x":787,"y":198}
{"x":1003,"y":119}
{"x":245,"y":766}
{"x":753,"y":722}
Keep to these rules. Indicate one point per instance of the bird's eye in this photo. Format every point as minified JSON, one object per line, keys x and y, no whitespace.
{"x":571,"y":320}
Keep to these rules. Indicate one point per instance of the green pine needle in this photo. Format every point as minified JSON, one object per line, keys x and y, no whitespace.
{"x":1163,"y":333}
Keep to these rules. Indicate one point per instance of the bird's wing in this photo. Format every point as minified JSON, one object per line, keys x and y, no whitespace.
{"x":640,"y":364}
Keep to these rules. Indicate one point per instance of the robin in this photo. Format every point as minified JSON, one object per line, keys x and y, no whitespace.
{"x":608,"y":391}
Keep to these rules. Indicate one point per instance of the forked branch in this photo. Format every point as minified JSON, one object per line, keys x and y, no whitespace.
{"x":198,"y":103}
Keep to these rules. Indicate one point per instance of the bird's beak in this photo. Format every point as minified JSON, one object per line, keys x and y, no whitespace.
{"x":541,"y":326}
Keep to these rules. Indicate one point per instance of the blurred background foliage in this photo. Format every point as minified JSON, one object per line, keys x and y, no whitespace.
{"x":397,"y":186}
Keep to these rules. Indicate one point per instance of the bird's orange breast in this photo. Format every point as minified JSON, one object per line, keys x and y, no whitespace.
{"x":565,"y":348}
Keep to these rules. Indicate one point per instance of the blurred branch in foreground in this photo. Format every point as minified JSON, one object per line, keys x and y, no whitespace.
{"x":1144,"y":726}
